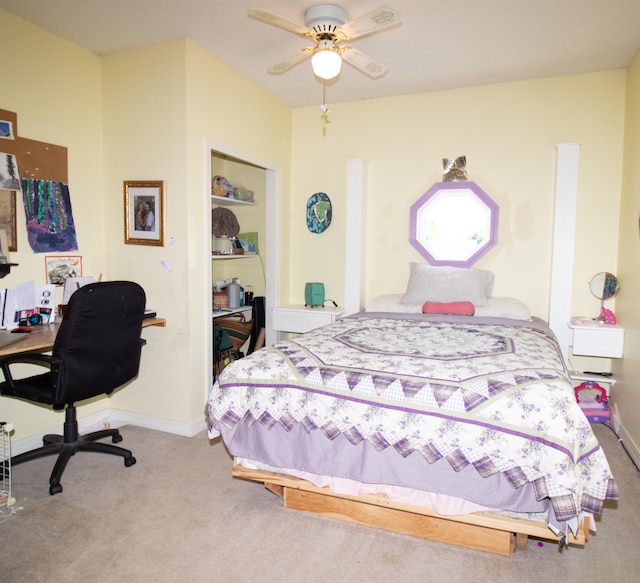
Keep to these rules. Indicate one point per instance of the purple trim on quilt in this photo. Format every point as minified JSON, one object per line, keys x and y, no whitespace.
{"x":588,"y":454}
{"x":533,"y":323}
{"x":313,"y":453}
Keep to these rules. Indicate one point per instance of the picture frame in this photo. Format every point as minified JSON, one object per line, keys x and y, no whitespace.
{"x":6,"y":130}
{"x":454,"y":224}
{"x":249,"y":243}
{"x":8,"y":217}
{"x":4,"y":247}
{"x":144,"y":212}
{"x":59,"y":268}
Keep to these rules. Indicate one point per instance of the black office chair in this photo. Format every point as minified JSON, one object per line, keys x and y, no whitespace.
{"x":97,"y":349}
{"x":258,"y":317}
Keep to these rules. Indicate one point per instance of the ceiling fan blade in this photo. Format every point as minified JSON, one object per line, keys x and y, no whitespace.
{"x":290,"y":62}
{"x":371,"y":23}
{"x":275,"y":20}
{"x":364,"y":63}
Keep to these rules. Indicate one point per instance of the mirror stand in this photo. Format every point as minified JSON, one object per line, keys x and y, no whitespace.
{"x":604,"y":286}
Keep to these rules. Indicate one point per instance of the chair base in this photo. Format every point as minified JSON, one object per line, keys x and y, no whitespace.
{"x":66,"y":446}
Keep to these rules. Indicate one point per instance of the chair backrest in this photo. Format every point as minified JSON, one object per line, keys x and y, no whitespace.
{"x":258,"y":317}
{"x":99,"y":340}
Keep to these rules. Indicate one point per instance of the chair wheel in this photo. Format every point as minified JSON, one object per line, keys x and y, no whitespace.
{"x":116,"y":438}
{"x":55,"y":489}
{"x":128,"y":462}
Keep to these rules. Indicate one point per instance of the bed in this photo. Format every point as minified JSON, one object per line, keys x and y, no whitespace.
{"x":457,"y":428}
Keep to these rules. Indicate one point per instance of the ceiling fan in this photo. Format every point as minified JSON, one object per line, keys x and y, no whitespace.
{"x":327,"y":26}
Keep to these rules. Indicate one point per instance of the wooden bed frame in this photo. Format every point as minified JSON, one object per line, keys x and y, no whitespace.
{"x":483,"y":531}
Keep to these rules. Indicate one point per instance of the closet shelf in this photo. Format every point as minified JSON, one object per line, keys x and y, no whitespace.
{"x":223,"y":201}
{"x":231,"y":256}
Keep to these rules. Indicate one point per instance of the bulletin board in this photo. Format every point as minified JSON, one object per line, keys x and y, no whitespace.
{"x":35,"y":159}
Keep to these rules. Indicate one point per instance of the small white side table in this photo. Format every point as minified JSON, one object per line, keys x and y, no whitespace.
{"x":298,"y":318}
{"x":593,"y":338}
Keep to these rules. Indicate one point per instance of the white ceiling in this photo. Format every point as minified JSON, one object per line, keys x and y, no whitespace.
{"x":439,"y":45}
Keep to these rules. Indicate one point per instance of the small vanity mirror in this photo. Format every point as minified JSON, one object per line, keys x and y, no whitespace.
{"x":604,"y":285}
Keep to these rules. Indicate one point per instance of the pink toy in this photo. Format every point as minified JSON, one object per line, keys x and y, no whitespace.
{"x":607,"y":316}
{"x":596,"y":409}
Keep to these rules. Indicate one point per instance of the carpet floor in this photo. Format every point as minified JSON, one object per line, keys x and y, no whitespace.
{"x":178,"y":515}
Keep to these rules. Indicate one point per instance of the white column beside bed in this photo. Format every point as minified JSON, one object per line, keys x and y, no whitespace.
{"x":564,"y":230}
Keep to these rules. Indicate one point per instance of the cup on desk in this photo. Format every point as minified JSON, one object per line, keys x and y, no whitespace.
{"x":248,"y":296}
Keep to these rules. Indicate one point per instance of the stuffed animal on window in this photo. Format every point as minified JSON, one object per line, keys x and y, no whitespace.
{"x":454,"y":169}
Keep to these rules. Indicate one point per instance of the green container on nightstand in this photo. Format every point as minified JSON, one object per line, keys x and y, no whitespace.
{"x":314,"y":294}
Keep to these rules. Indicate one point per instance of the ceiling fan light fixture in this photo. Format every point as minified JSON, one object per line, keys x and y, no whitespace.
{"x":326,"y":61}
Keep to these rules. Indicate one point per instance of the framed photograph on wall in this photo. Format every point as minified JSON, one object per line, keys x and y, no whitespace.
{"x":144,"y":212}
{"x":8,"y":217}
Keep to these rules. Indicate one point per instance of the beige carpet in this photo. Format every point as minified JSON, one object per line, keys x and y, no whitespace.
{"x":177,"y":515}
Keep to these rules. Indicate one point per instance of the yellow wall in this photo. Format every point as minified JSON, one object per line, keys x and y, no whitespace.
{"x":120,"y":124}
{"x":145,"y":114}
{"x":508,"y":133}
{"x":184,"y":97}
{"x":55,"y":88}
{"x":145,"y":139}
{"x":626,"y":394}
{"x":222,"y":106}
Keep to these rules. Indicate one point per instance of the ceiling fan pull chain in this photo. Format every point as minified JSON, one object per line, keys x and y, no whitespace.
{"x":325,"y":110}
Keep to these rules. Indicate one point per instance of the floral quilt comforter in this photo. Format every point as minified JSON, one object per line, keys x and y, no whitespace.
{"x":487,"y":392}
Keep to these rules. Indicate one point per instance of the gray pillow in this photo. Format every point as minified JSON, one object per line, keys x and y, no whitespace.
{"x":448,"y":284}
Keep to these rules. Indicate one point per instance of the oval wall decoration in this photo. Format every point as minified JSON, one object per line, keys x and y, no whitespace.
{"x":318,"y":213}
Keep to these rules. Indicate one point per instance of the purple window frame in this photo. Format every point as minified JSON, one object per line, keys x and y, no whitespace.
{"x":482,"y":196}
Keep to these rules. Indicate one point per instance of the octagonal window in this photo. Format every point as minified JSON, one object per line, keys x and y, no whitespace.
{"x":454,"y":223}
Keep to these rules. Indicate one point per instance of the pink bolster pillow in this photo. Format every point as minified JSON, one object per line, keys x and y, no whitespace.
{"x":449,"y":308}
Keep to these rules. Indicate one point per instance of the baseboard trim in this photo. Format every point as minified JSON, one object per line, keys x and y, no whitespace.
{"x":626,"y":441}
{"x":159,"y":424}
{"x":115,"y":418}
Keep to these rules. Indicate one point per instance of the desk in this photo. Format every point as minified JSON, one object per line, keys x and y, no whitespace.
{"x":41,"y":338}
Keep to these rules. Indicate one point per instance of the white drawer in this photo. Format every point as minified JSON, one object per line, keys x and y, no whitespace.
{"x":601,"y":340}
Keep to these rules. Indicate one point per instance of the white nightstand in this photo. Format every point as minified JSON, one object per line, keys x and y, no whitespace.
{"x":593,"y":338}
{"x":298,"y":318}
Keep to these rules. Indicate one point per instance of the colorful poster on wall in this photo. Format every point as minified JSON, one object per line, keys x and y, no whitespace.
{"x":47,"y":207}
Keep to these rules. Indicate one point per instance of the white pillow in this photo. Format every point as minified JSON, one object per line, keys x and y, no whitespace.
{"x":505,"y":308}
{"x":448,"y":284}
{"x":391,"y":303}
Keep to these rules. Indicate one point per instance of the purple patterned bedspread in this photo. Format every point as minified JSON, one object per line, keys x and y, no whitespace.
{"x":488,"y":393}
